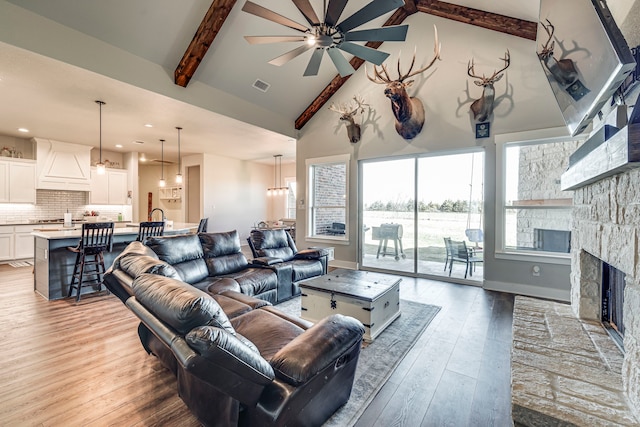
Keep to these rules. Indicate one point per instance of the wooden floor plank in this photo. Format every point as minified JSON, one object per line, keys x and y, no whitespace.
{"x":64,"y":363}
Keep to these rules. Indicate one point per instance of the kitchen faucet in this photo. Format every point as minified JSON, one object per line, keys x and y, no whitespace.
{"x":157,"y":209}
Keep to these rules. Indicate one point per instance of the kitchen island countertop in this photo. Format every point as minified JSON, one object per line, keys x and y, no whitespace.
{"x":131,"y":228}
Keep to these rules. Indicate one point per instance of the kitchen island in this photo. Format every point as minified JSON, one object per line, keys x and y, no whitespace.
{"x":54,"y":262}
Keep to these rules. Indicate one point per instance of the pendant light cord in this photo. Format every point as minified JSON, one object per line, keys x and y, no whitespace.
{"x":100,"y":103}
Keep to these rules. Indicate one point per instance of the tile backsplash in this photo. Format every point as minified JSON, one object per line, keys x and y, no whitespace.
{"x":51,"y":204}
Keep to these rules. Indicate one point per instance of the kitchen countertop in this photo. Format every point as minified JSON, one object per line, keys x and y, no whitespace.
{"x":178,"y":227}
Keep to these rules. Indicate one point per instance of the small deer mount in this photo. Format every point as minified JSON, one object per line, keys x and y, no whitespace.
{"x":563,"y":70}
{"x":482,"y":108}
{"x":408,"y":110}
{"x":347,"y":114}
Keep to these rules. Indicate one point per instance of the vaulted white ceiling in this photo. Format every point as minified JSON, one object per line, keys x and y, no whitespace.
{"x":220,"y":111}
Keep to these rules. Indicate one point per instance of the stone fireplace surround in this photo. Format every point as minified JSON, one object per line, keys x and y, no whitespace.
{"x":566,"y":370}
{"x":606,"y":226}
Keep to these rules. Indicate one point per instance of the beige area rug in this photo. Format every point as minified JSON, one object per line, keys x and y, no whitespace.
{"x":378,"y":359}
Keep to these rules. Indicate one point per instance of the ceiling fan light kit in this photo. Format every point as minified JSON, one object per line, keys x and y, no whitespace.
{"x":329,"y":35}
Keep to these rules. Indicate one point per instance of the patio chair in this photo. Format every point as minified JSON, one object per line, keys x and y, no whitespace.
{"x":461,"y":253}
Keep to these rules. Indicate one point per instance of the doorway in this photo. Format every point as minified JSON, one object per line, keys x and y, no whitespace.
{"x":192,"y":193}
{"x":414,"y":206}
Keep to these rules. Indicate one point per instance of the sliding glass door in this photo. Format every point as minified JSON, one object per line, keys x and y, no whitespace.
{"x":423,"y":215}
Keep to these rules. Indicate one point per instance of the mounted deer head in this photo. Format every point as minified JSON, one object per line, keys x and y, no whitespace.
{"x":347,"y":114}
{"x":408,"y":111}
{"x":564,"y":70}
{"x":482,"y":107}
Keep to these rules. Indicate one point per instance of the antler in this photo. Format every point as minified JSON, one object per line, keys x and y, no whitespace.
{"x":494,"y":77}
{"x":346,"y":110}
{"x":436,"y":55}
{"x":546,"y":48}
{"x":380,"y":79}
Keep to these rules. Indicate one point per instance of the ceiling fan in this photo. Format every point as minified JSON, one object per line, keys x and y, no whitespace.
{"x":329,"y":35}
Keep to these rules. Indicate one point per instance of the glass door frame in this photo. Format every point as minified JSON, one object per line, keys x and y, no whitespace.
{"x":416,"y":158}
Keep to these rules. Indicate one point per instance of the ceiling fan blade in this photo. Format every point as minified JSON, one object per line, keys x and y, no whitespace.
{"x":344,"y":68}
{"x":305,"y":7}
{"x":371,"y":11}
{"x":334,"y":10}
{"x":283,"y":59}
{"x":262,"y":12}
{"x":314,"y":63}
{"x":368,"y":54}
{"x":273,"y":39}
{"x":397,"y":33}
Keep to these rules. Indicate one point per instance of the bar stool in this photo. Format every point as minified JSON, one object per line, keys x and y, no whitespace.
{"x":96,"y":238}
{"x":149,"y":229}
{"x":202,"y":226}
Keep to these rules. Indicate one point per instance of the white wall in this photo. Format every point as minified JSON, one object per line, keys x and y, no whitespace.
{"x":233,"y":192}
{"x":442,"y":89}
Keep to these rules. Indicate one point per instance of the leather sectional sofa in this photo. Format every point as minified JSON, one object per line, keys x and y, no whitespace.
{"x":213,"y":263}
{"x":205,"y":313}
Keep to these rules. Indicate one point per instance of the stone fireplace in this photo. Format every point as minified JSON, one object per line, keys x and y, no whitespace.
{"x":606,"y":228}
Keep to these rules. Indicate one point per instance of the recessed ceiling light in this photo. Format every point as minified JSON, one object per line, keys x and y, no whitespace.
{"x":24,"y":130}
{"x":118,"y":145}
{"x":148,"y":125}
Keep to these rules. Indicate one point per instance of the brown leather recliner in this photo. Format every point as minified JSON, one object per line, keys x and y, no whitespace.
{"x":259,"y":368}
{"x":277,"y":249}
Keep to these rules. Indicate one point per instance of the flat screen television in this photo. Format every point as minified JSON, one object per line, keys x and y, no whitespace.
{"x":584,"y":56}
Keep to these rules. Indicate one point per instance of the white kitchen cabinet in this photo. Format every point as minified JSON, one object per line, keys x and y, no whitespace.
{"x":108,"y":189}
{"x":23,"y":241}
{"x":17,"y":181}
{"x":6,"y":243}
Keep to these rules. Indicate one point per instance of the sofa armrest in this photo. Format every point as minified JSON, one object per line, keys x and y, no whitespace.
{"x":316,"y":253}
{"x":265,"y":261}
{"x":323,"y":344}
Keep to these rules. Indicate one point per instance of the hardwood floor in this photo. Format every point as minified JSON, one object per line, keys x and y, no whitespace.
{"x":68,"y":364}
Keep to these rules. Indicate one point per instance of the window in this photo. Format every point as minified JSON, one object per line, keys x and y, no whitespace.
{"x":327,"y":197}
{"x":534,"y":213}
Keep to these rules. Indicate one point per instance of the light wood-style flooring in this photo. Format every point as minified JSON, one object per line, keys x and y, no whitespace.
{"x":68,"y":364}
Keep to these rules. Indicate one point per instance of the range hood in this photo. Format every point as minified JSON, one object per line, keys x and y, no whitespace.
{"x":62,"y":165}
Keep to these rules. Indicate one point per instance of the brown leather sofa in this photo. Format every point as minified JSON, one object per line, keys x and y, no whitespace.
{"x":211,"y":262}
{"x":240,"y":361}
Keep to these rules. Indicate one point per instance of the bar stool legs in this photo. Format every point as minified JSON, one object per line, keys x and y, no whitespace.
{"x":88,"y":271}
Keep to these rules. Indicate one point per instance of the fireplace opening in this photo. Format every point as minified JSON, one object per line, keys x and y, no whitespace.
{"x":613,"y":282}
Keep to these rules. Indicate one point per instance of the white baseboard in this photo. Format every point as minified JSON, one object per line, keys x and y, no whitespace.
{"x":529,"y":290}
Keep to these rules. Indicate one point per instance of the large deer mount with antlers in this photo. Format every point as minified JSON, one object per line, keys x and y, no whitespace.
{"x":408,"y":110}
{"x":562,"y":70}
{"x":482,"y":108}
{"x":347,"y":114}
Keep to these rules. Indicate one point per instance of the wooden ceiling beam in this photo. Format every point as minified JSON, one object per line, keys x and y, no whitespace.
{"x":491,"y":21}
{"x":480,"y":18}
{"x":202,"y":39}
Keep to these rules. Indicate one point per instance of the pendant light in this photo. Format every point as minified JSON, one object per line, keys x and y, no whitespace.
{"x":162,"y":181}
{"x":277,"y":188}
{"x":179,"y":174}
{"x":100,"y":167}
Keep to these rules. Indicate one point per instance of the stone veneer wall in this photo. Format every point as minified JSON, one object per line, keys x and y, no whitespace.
{"x":606,"y":226}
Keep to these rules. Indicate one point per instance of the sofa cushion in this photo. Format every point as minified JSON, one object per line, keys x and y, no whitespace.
{"x":178,"y":304}
{"x":306,"y":269}
{"x":272,"y":243}
{"x":222,"y":252}
{"x":266,"y":330}
{"x":255,"y":281}
{"x":233,"y":352}
{"x":184,"y":252}
{"x":134,"y":265}
{"x":133,"y":249}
